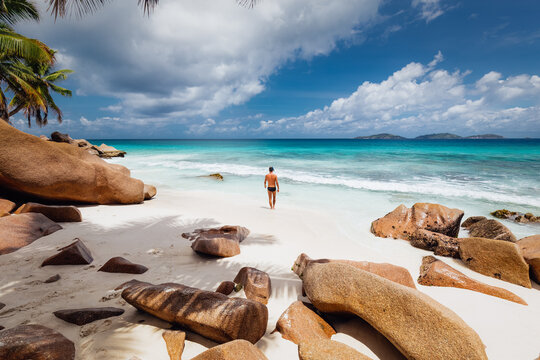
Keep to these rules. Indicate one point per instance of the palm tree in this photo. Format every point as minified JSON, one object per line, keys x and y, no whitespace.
{"x":59,"y":7}
{"x":26,"y":67}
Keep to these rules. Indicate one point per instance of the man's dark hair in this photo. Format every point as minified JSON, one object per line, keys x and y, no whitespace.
{"x":271,"y":169}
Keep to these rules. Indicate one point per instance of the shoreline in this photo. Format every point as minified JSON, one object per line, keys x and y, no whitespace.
{"x":277,"y":238}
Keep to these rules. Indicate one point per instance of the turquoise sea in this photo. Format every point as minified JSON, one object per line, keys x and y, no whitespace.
{"x":350,"y":176}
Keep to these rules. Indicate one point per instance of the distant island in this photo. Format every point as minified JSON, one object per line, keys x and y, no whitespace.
{"x":440,"y":136}
{"x":384,"y":136}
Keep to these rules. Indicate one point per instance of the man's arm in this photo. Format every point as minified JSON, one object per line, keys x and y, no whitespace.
{"x":277,"y":184}
{"x":265,"y":180}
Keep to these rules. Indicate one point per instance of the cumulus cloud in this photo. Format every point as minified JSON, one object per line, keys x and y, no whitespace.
{"x":195,"y":58}
{"x":420,"y":99}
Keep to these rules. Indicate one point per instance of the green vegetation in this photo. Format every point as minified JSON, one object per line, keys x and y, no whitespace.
{"x":26,"y":68}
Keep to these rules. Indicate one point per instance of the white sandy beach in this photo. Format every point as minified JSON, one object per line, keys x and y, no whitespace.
{"x":150,"y":234}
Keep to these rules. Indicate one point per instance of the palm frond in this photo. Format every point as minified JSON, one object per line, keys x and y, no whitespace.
{"x":247,"y":3}
{"x":12,"y":11}
{"x":61,"y":8}
{"x":13,"y":44}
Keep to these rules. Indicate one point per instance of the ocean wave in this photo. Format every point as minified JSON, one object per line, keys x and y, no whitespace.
{"x":480,"y":190}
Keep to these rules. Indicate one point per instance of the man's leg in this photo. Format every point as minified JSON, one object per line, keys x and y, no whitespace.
{"x":274,"y":199}
{"x":270,"y":199}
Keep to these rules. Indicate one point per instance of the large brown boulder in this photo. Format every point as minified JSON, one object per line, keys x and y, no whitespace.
{"x":434,"y":272}
{"x":530,"y":248}
{"x":499,"y":259}
{"x":391,"y":272}
{"x":60,"y":171}
{"x":256,"y":283}
{"x":325,"y":349}
{"x":402,"y":222}
{"x":35,"y":342}
{"x":6,"y":207}
{"x":491,"y":229}
{"x":299,"y":324}
{"x":17,"y":231}
{"x":87,"y":315}
{"x":220,"y":247}
{"x":417,"y":325}
{"x":207,"y":313}
{"x":55,"y":213}
{"x":438,"y":243}
{"x":75,"y":253}
{"x":233,"y":350}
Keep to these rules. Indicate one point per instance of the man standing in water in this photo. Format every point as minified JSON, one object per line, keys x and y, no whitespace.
{"x":273,"y":185}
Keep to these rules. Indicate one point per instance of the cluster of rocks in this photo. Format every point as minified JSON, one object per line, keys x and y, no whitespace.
{"x":516,"y":216}
{"x":62,"y":172}
{"x":219,"y":242}
{"x":103,"y":151}
{"x":491,"y":248}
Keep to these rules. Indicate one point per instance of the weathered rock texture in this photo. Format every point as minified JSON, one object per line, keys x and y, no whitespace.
{"x":75,"y":253}
{"x":223,"y":241}
{"x":391,"y":272}
{"x":530,"y":248}
{"x":438,"y":243}
{"x":175,"y":341}
{"x":325,"y":349}
{"x":59,"y":137}
{"x":299,"y":324}
{"x":221,"y":247}
{"x":149,"y":191}
{"x":120,"y":265}
{"x":238,"y":233}
{"x":417,"y":325}
{"x":17,"y":231}
{"x":110,"y":151}
{"x":6,"y":207}
{"x":472,"y":220}
{"x":402,"y":222}
{"x":434,"y":272}
{"x":35,"y":342}
{"x":207,"y":313}
{"x":516,"y":216}
{"x":233,"y":350}
{"x":226,"y":287}
{"x":87,"y":315}
{"x":256,"y":283}
{"x":61,"y":171}
{"x":499,"y":259}
{"x":55,"y":213}
{"x":491,"y":229}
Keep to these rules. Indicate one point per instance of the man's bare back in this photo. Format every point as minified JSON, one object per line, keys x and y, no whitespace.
{"x":273,"y":187}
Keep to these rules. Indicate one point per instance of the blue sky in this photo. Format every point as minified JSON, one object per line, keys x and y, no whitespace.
{"x":299,"y":68}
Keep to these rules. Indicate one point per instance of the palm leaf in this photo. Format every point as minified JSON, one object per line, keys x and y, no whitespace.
{"x":12,"y":11}
{"x":13,"y":44}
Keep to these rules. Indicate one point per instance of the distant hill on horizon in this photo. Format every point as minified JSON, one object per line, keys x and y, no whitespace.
{"x":438,"y":136}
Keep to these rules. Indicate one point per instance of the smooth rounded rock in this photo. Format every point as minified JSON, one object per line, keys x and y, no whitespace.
{"x":87,"y":315}
{"x":17,"y":231}
{"x":55,"y":213}
{"x":120,"y":265}
{"x":299,"y":324}
{"x":233,"y":350}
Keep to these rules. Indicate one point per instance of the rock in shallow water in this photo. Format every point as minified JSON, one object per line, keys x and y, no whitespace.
{"x":55,"y":213}
{"x":402,"y":222}
{"x":207,"y":313}
{"x":434,"y":272}
{"x":233,"y":350}
{"x":87,"y":315}
{"x":120,"y":265}
{"x":530,"y":248}
{"x":417,"y":325}
{"x":17,"y":231}
{"x":299,"y":324}
{"x":35,"y":342}
{"x":325,"y":349}
{"x":491,"y":229}
{"x":75,"y":253}
{"x":391,"y":272}
{"x":499,"y":259}
{"x":256,"y":283}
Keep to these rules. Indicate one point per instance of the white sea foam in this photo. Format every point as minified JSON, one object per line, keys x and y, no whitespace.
{"x":480,"y":190}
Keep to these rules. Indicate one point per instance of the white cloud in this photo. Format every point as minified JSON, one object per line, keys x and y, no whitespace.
{"x":421,"y":99}
{"x":431,"y":9}
{"x":195,"y":58}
